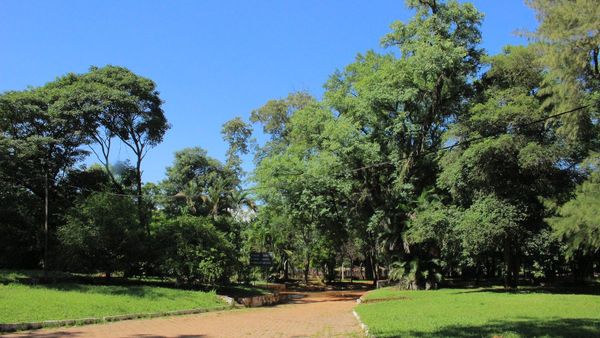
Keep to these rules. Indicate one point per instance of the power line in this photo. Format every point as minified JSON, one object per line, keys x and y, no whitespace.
{"x":474,"y":139}
{"x":448,"y":147}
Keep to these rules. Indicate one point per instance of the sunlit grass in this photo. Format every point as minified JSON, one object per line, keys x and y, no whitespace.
{"x":25,"y":303}
{"x":481,"y":313}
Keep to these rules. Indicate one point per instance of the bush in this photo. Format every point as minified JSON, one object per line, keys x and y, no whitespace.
{"x":193,"y":250}
{"x":102,"y":233}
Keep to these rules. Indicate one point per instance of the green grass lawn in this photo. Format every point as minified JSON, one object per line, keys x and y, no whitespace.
{"x":530,"y":312}
{"x":26,"y":303}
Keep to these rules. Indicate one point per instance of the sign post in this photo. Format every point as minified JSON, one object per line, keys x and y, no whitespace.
{"x":262,"y":259}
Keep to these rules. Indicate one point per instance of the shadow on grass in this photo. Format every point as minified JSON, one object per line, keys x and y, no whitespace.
{"x":513,"y":328}
{"x":133,"y":291}
{"x":240,"y":291}
{"x":570,"y":290}
{"x":136,"y":287}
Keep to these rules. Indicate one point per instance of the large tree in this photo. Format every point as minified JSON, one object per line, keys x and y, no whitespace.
{"x":116,"y":103}
{"x":40,"y":144}
{"x":401,"y":105}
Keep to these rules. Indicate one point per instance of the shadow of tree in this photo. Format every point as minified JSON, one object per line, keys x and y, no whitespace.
{"x":135,"y":291}
{"x":522,"y":327}
{"x":571,"y":290}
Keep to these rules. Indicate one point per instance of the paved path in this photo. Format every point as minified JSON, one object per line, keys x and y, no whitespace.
{"x":317,"y":314}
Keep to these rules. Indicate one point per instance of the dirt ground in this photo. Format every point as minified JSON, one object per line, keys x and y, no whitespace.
{"x":312,"y":314}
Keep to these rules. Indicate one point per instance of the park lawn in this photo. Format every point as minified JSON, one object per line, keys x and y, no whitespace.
{"x":530,"y":312}
{"x":30,"y":303}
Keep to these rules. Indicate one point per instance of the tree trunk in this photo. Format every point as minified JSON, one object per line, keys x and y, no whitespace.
{"x":286,"y":272}
{"x":369,"y":273}
{"x":306,"y":269}
{"x":140,"y":199}
{"x":511,"y":268}
{"x":584,"y":268}
{"x":46,"y":224}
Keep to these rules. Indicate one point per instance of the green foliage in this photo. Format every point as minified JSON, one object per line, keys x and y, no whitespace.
{"x":19,"y":240}
{"x":198,"y":184}
{"x":416,"y":274}
{"x":102,"y":233}
{"x":275,"y":114}
{"x":237,"y":134}
{"x":488,"y":224}
{"x":569,"y":43}
{"x":578,"y":220}
{"x":193,"y":250}
{"x":357,"y":176}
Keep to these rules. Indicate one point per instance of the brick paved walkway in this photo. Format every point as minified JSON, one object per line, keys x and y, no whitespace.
{"x":318,"y":314}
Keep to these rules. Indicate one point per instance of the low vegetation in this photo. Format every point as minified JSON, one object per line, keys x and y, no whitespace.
{"x":493,"y":312}
{"x":30,"y":303}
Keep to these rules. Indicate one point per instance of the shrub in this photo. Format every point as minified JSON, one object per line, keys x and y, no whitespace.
{"x":102,"y":233}
{"x":193,"y":250}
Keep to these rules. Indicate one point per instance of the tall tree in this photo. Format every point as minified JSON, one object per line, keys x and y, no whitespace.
{"x":237,"y":134}
{"x":577,"y":223}
{"x":569,"y":40}
{"x":42,"y":142}
{"x":401,"y":106}
{"x":127,"y":106}
{"x":517,"y":161}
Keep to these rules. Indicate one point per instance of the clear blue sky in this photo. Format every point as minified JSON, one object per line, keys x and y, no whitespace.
{"x":212,"y":60}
